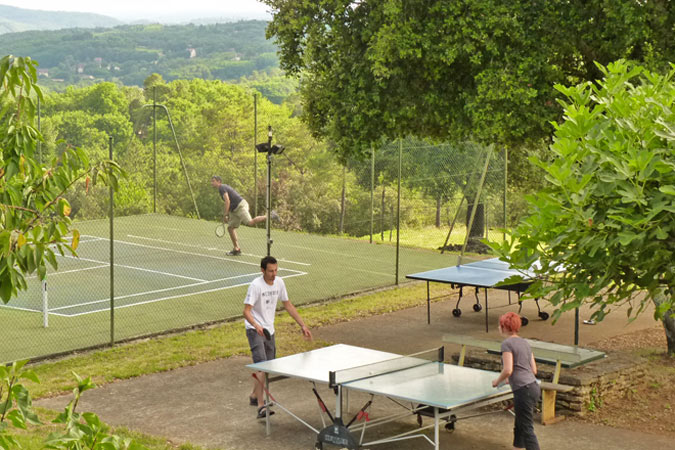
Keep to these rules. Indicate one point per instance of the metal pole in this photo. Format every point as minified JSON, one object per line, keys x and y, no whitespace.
{"x":112,"y":252}
{"x":40,"y":131}
{"x":269,"y":188}
{"x":154,"y":149}
{"x":479,"y":192}
{"x":372,"y":190}
{"x":506,"y":184}
{"x":45,"y":304}
{"x":255,"y":156}
{"x":398,"y":207}
{"x":180,"y":154}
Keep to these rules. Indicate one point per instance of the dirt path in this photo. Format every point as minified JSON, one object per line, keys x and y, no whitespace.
{"x":207,"y":404}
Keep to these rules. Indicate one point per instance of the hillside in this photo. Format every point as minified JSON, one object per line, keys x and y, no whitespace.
{"x":128,"y":54}
{"x":14,"y":19}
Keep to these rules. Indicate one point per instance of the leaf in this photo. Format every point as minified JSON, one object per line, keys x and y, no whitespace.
{"x":76,"y":239}
{"x":667,"y":189}
{"x":21,"y":240}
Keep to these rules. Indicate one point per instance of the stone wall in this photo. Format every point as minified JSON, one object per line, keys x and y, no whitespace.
{"x":609,"y":377}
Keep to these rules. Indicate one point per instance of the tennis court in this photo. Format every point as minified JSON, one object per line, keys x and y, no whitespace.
{"x":144,"y":273}
{"x":173,"y":272}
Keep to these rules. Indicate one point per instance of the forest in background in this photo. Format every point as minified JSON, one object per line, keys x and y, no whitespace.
{"x":128,"y":54}
{"x":214,"y":123}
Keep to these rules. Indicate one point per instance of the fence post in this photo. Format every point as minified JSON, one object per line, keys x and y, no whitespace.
{"x":112,"y":252}
{"x":506,"y":185}
{"x":372,"y":190}
{"x":398,"y":208}
{"x":154,"y":149}
{"x":255,"y":155}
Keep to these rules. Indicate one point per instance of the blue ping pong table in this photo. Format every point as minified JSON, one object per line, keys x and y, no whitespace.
{"x":485,"y":274}
{"x":420,"y":384}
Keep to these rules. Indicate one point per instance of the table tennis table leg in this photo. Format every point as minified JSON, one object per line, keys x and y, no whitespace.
{"x":268,"y":425}
{"x":486,"y":311}
{"x":436,"y":431}
{"x":428,"y":305}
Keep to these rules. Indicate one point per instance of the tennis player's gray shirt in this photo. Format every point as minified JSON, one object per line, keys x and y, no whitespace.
{"x":235,"y":198}
{"x":522,"y":355}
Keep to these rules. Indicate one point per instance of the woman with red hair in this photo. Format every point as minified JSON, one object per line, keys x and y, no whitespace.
{"x":519,"y":368}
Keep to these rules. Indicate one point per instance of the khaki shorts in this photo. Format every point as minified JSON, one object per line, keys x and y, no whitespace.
{"x":240,"y":215}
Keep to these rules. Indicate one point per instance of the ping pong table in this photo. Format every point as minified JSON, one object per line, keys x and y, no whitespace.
{"x":420,"y":385}
{"x":485,"y":274}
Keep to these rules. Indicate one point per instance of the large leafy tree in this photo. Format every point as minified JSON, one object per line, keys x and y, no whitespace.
{"x":34,"y":214}
{"x":454,"y":69}
{"x":607,"y":215}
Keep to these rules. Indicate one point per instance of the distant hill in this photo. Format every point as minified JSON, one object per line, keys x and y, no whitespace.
{"x":128,"y":54}
{"x":19,"y":19}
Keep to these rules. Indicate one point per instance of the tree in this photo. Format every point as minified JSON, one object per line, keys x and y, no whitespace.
{"x":607,"y":215}
{"x":480,"y":69}
{"x":34,"y":215}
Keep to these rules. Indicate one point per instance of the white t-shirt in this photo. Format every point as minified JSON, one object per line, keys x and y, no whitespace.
{"x":264,"y":299}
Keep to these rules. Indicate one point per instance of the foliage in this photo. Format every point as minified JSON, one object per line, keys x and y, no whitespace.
{"x":607,"y":216}
{"x":128,"y":54}
{"x":85,"y":431}
{"x":34,"y":215}
{"x":480,"y":69}
{"x":82,"y":431}
{"x":15,"y":402}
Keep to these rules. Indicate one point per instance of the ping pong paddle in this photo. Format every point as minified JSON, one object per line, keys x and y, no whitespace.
{"x":267,"y":334}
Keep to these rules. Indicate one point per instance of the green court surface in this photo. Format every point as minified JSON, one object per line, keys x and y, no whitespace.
{"x":173,"y":272}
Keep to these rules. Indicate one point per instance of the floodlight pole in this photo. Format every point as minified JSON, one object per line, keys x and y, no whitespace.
{"x":269,"y":188}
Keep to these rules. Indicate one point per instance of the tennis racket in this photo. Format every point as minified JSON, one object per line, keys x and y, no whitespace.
{"x":220,"y":230}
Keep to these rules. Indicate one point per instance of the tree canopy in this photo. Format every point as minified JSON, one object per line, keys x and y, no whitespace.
{"x":128,"y":54}
{"x":607,"y":215}
{"x":450,"y":70}
{"x":34,"y":214}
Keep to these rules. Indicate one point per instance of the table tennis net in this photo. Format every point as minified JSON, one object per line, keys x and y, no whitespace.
{"x":395,"y":364}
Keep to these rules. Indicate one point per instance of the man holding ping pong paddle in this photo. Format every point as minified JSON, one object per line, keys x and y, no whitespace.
{"x":259,"y":311}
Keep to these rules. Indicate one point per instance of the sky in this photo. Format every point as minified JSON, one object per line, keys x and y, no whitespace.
{"x":152,"y":10}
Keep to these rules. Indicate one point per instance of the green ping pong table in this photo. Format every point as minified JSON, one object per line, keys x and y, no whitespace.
{"x":567,"y":356}
{"x":486,"y":274}
{"x":421,"y":384}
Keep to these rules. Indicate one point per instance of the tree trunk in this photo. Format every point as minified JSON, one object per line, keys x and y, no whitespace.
{"x":668,"y":319}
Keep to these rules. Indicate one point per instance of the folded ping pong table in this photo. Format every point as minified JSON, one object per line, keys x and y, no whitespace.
{"x":485,"y":274}
{"x":419,"y":384}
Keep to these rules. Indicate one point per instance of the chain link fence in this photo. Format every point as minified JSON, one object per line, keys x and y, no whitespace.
{"x":158,"y":265}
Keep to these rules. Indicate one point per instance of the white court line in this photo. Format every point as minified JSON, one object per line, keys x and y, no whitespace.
{"x":208,"y":248}
{"x":188,"y":253}
{"x":51,"y":274}
{"x":166,"y":298}
{"x":135,"y":268}
{"x":137,"y":294}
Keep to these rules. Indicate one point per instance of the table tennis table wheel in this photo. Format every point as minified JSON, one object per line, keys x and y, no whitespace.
{"x":318,"y":446}
{"x":477,"y":307}
{"x":456,"y":312}
{"x":524,"y":320}
{"x":450,"y":426}
{"x":543,"y":315}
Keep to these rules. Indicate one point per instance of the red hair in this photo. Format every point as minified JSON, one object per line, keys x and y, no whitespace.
{"x":510,"y":322}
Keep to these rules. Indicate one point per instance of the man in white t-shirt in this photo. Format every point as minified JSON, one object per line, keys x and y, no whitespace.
{"x":259,"y":309}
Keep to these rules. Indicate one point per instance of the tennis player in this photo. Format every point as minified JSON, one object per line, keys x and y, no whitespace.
{"x":259,"y":311}
{"x":235,"y":212}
